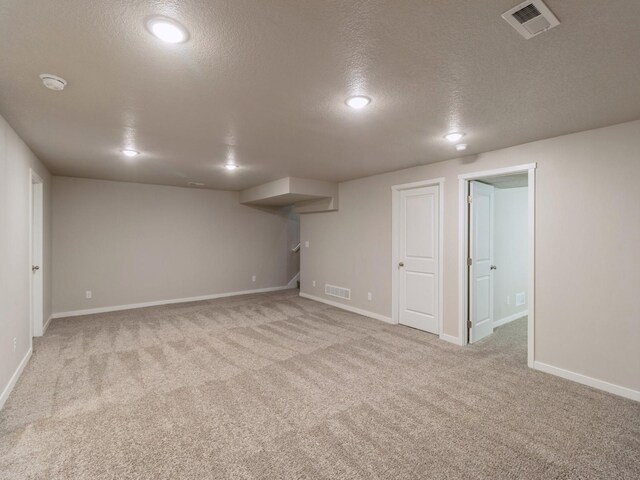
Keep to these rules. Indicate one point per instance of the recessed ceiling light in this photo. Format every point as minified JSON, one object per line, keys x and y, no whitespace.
{"x":127,"y":152}
{"x":167,"y":30}
{"x":454,"y":136}
{"x":230,"y":166}
{"x":357,"y":101}
{"x":53,"y":82}
{"x":461,"y":146}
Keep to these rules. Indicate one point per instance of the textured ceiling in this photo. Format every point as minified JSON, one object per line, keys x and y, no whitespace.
{"x":265,"y":81}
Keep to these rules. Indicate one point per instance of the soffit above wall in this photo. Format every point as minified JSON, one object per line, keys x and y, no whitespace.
{"x":308,"y":195}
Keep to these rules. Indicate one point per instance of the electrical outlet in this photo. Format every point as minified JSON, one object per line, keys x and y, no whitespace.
{"x":520,"y":299}
{"x":306,"y":244}
{"x":88,"y":294}
{"x":253,"y":278}
{"x":508,"y":299}
{"x":313,"y":283}
{"x":369,"y":296}
{"x":15,"y":343}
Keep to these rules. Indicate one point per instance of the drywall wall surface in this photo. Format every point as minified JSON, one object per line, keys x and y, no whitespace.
{"x":293,"y":239}
{"x":15,"y":161}
{"x":587,"y":255}
{"x":131,"y":243}
{"x":511,"y":253}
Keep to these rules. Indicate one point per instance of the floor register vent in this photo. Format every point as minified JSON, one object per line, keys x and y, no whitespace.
{"x":531,"y":18}
{"x":339,"y":292}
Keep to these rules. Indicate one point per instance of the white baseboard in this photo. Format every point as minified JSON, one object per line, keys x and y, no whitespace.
{"x":591,"y":382}
{"x":348,"y":308}
{"x":293,"y":283}
{"x":46,"y":325}
{"x":90,"y":311}
{"x":14,"y":378}
{"x":510,"y":318}
{"x":451,"y":339}
{"x":366,"y":313}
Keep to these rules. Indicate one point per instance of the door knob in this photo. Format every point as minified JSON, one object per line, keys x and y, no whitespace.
{"x":401,"y":264}
{"x":34,"y":268}
{"x":493,"y":267}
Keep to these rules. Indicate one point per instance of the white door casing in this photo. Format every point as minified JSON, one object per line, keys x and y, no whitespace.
{"x":36,"y":254}
{"x":418,"y":258}
{"x":463,"y":250}
{"x":481,"y":254}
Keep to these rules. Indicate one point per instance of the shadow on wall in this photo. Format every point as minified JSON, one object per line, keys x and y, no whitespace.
{"x":292,"y":234}
{"x":293,"y":239}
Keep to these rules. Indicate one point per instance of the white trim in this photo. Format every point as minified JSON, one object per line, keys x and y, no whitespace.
{"x":28,"y":266}
{"x":348,"y":308}
{"x":498,"y":172}
{"x":418,"y":184}
{"x":14,"y":378}
{"x":589,"y":381}
{"x":531,"y":281}
{"x":46,"y":325}
{"x":510,"y":318}
{"x":90,"y":311}
{"x":463,"y":240}
{"x":450,"y":338}
{"x":293,"y":283}
{"x":36,"y":285}
{"x":395,"y":206}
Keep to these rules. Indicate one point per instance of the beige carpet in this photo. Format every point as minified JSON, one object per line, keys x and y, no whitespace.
{"x":274,"y":386}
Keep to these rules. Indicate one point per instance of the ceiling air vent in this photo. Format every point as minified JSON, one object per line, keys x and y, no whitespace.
{"x":531,"y":18}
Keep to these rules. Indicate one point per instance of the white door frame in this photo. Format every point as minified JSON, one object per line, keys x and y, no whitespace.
{"x":463,"y":248}
{"x":36,"y":231}
{"x":395,"y":244}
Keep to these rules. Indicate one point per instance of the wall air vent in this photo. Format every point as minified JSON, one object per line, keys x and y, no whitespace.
{"x":337,"y":292}
{"x":531,"y":18}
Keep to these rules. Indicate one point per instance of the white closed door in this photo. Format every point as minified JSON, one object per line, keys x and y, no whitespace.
{"x":481,"y":254}
{"x":418,"y":258}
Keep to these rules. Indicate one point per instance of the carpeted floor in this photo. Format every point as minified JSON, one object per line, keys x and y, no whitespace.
{"x":274,"y":386}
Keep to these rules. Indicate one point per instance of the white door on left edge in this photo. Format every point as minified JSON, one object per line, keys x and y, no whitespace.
{"x":418,"y":258}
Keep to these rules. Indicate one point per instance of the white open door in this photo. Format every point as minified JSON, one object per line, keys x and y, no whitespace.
{"x":482,"y":267}
{"x":418,"y":257}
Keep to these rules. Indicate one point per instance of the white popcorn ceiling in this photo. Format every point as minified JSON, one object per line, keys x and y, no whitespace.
{"x":264,"y":83}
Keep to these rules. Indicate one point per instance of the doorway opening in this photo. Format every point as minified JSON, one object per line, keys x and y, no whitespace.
{"x":36,"y":246}
{"x":497,"y":256}
{"x":293,"y":246}
{"x":417,"y":255}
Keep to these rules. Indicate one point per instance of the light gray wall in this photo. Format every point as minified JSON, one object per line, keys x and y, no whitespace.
{"x":15,"y":161}
{"x":587,"y":255}
{"x":293,"y":238}
{"x":510,"y":229}
{"x":131,"y":243}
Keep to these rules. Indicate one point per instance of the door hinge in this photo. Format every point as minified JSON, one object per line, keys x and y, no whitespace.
{"x":469,"y":199}
{"x":469,"y":262}
{"x":469,"y":325}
